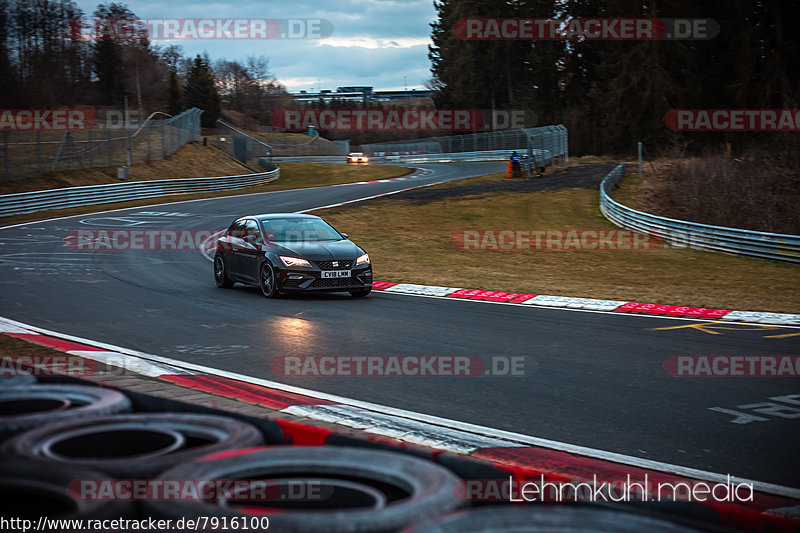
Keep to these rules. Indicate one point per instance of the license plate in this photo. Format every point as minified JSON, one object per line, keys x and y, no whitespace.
{"x":335,"y":273}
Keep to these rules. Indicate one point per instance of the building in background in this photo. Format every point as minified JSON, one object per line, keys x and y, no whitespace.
{"x":360,"y":94}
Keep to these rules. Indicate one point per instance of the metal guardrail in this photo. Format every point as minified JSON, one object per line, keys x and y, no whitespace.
{"x":552,"y":139}
{"x":776,"y":246}
{"x":543,"y":157}
{"x":31,"y":202}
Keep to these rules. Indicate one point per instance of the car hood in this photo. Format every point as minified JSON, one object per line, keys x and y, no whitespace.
{"x":322,"y":250}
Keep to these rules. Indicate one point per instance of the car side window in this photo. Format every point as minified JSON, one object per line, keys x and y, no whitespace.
{"x":237,"y":229}
{"x":251,"y":228}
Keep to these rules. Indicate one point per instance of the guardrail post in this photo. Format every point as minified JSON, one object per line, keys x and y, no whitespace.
{"x":5,"y":155}
{"x":90,"y":152}
{"x":39,"y":151}
{"x":109,"y":146}
{"x":69,"y":149}
{"x":640,"y":158}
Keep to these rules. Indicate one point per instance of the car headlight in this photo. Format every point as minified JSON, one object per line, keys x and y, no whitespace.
{"x":294,"y":262}
{"x":363,"y":260}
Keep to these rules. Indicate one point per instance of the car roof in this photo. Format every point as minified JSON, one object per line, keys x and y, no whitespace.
{"x":268,"y":216}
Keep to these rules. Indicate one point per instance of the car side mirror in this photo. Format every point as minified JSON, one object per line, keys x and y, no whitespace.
{"x":345,"y":235}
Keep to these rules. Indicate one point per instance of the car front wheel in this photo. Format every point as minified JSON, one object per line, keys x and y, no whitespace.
{"x":268,"y":281}
{"x":221,"y":274}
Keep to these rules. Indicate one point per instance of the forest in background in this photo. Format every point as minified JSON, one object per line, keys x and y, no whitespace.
{"x":44,"y":63}
{"x":610,"y":94}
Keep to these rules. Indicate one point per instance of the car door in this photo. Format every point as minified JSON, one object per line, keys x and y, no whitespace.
{"x":235,"y":244}
{"x":250,"y":251}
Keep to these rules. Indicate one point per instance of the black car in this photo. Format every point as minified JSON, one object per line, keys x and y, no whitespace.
{"x":287,"y":252}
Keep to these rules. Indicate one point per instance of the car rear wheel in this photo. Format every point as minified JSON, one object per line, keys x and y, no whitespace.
{"x":221,"y":274}
{"x":360,"y":293}
{"x":268,"y":281}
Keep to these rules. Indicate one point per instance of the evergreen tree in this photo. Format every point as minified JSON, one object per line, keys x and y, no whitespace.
{"x":107,"y":51}
{"x":201,"y":91}
{"x":107,"y":63}
{"x":174,"y":96}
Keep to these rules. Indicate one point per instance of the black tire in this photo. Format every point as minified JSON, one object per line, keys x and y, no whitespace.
{"x":16,"y":381}
{"x":24,"y":408}
{"x":543,"y":518}
{"x":267,"y":281}
{"x":30,"y":490}
{"x":360,"y":293}
{"x":414,"y":488}
{"x":221,"y":273}
{"x":132,"y":445}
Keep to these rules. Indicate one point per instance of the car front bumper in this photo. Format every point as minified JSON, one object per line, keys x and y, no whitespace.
{"x":291,"y":279}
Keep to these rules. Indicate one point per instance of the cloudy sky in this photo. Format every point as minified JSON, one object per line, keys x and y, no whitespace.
{"x":382,"y":43}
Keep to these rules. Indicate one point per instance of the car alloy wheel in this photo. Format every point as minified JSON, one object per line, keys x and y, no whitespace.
{"x":268,"y":281}
{"x":220,"y":276}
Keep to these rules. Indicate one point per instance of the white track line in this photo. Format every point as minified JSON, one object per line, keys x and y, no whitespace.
{"x":380,"y":412}
{"x":720,"y":320}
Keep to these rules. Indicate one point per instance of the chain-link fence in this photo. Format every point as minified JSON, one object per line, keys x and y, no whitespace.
{"x":30,"y":153}
{"x":242,"y":146}
{"x":312,"y":145}
{"x":552,"y":139}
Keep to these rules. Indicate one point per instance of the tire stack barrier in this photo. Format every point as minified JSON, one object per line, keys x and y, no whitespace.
{"x":62,"y":430}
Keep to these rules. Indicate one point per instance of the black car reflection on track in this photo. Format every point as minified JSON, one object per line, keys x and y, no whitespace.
{"x":288,"y":252}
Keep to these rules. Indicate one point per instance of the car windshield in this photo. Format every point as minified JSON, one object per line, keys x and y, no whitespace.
{"x":299,"y":230}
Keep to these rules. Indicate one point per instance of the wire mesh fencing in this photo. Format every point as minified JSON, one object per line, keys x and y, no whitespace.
{"x":552,"y":139}
{"x":242,"y":146}
{"x":30,"y":153}
{"x":295,"y":145}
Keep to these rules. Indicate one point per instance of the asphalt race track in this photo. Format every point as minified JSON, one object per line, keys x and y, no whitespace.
{"x":591,"y":379}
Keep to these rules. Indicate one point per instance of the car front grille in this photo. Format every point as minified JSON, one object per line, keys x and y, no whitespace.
{"x":334,"y":283}
{"x":328,"y":265}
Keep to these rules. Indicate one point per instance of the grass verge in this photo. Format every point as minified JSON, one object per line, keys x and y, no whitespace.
{"x":192,"y":160}
{"x":15,"y":346}
{"x":415,"y":248}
